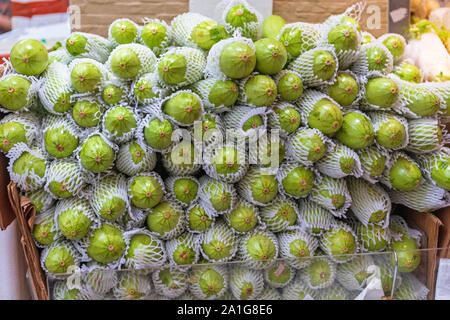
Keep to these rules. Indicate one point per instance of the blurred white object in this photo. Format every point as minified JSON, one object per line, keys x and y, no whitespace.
{"x":207,"y":8}
{"x":443,"y":280}
{"x":13,"y":282}
{"x":441,"y":17}
{"x":429,"y":55}
{"x":374,"y":288}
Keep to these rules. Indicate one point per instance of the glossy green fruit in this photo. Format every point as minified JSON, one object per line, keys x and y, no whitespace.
{"x":357,"y":131}
{"x":271,"y":56}
{"x":405,"y":175}
{"x":29,"y":57}
{"x":106,"y":244}
{"x":237,"y":60}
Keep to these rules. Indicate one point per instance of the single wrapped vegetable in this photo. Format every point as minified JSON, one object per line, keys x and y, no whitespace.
{"x":391,"y":131}
{"x":97,"y":154}
{"x":289,"y":85}
{"x":166,"y":220}
{"x":347,"y":90}
{"x":109,"y":197}
{"x":182,"y":159}
{"x":87,"y":75}
{"x":18,"y":93}
{"x":29,"y":57}
{"x":198,"y":220}
{"x":373,"y":57}
{"x":217,"y":95}
{"x":340,"y":163}
{"x":45,"y":230}
{"x":132,"y":286}
{"x":61,"y":136}
{"x":74,"y":218}
{"x":297,"y":247}
{"x":144,"y":250}
{"x":170,"y":282}
{"x":41,"y":199}
{"x":271,"y":56}
{"x":183,"y":250}
{"x":280,"y":215}
{"x":65,"y":179}
{"x":146,"y":190}
{"x":320,"y":112}
{"x":402,"y":173}
{"x":227,"y":163}
{"x":123,"y":31}
{"x":56,"y":89}
{"x":212,"y":282}
{"x":147,"y":90}
{"x":294,"y":180}
{"x":87,"y":112}
{"x":353,"y":275}
{"x":285,"y":117}
{"x":240,"y":17}
{"x":425,"y":136}
{"x":257,"y":91}
{"x":357,"y":131}
{"x":436,"y":167}
{"x":408,"y":256}
{"x":373,"y":162}
{"x":316,"y":67}
{"x":218,"y":196}
{"x":119,"y":124}
{"x":408,"y":71}
{"x":258,"y":249}
{"x":370,"y":203}
{"x":279,"y":275}
{"x":315,"y":219}
{"x":306,"y":146}
{"x":395,"y":43}
{"x":320,"y":273}
{"x":59,"y":257}
{"x":243,"y":218}
{"x":106,"y":244}
{"x":381,"y":93}
{"x":258,"y":186}
{"x":15,"y":128}
{"x":372,"y":237}
{"x":156,"y":132}
{"x":340,"y":242}
{"x":135,"y":157}
{"x":245,"y":283}
{"x":298,"y":38}
{"x":181,"y":66}
{"x":333,"y":195}
{"x":129,"y":61}
{"x":219,"y":243}
{"x":156,"y":35}
{"x":183,"y":107}
{"x":183,"y":189}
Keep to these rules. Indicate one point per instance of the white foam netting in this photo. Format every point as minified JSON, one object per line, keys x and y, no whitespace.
{"x":347,"y":272}
{"x":97,"y":47}
{"x":298,"y":260}
{"x":190,"y":241}
{"x":30,"y":122}
{"x":183,"y":25}
{"x":69,"y":174}
{"x":220,"y":233}
{"x":381,"y":118}
{"x":146,"y":256}
{"x":362,"y":64}
{"x":126,"y":164}
{"x":210,"y":188}
{"x":369,"y":157}
{"x":330,"y":164}
{"x":56,"y":84}
{"x":244,"y":278}
{"x":270,"y":215}
{"x":424,"y":135}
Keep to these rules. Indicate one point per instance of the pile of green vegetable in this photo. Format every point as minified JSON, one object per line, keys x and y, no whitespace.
{"x":91,"y":136}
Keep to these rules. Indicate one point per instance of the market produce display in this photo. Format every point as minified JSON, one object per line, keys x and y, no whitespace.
{"x":117,"y":142}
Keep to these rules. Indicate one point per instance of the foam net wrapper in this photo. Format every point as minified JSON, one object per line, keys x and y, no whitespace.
{"x":126,"y":165}
{"x":273,"y":119}
{"x":98,"y":278}
{"x":79,"y":204}
{"x":235,"y":119}
{"x":443,"y":89}
{"x":368,"y":236}
{"x":399,"y":227}
{"x":241,"y":276}
{"x":214,"y":135}
{"x":189,"y":240}
{"x":69,"y":174}
{"x":203,"y":89}
{"x":410,"y":92}
{"x":385,"y":177}
{"x":132,"y":286}
{"x":133,"y":218}
{"x":296,"y":151}
{"x":179,"y":227}
{"x":148,"y":79}
{"x":361,"y":89}
{"x":325,"y":243}
{"x":44,"y":218}
{"x":153,"y":175}
{"x":31,"y":94}
{"x":335,"y":292}
{"x":425,"y":198}
{"x":368,"y":199}
{"x":178,"y":286}
{"x":285,"y":169}
{"x":165,"y":43}
{"x":30,"y":124}
{"x":270,"y":214}
{"x":423,"y":136}
{"x":269,"y":294}
{"x":29,"y":181}
{"x":297,"y":289}
{"x":61,"y":55}
{"x":312,"y":216}
{"x":201,"y":205}
{"x":279,"y":268}
{"x":106,"y":75}
{"x":310,"y":36}
{"x":430,"y":161}
{"x":113,"y":42}
{"x":285,"y":239}
{"x":346,"y":272}
{"x":252,"y":30}
{"x":55,"y":83}
{"x":210,"y":169}
{"x":225,"y":235}
{"x":308,"y":100}
{"x":244,"y":186}
{"x":114,"y":135}
{"x":330,"y":164}
{"x":151,"y":256}
{"x":145,"y":55}
{"x":183,"y":25}
{"x":383,"y":261}
{"x":380,"y":118}
{"x":305,"y":273}
{"x":40,"y":197}
{"x":333,"y":187}
{"x":371,"y":154}
{"x":195,"y":66}
{"x":108,"y":187}
{"x":60,"y":290}
{"x":169,"y":183}
{"x":243,"y":98}
{"x":67,"y":245}
{"x":303,"y":65}
{"x":411,"y":289}
{"x":195,"y":288}
{"x":97,"y":47}
{"x":212,"y":69}
{"x":361,"y":65}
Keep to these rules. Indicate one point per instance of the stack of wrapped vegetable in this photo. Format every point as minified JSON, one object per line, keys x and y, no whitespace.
{"x":118,"y":144}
